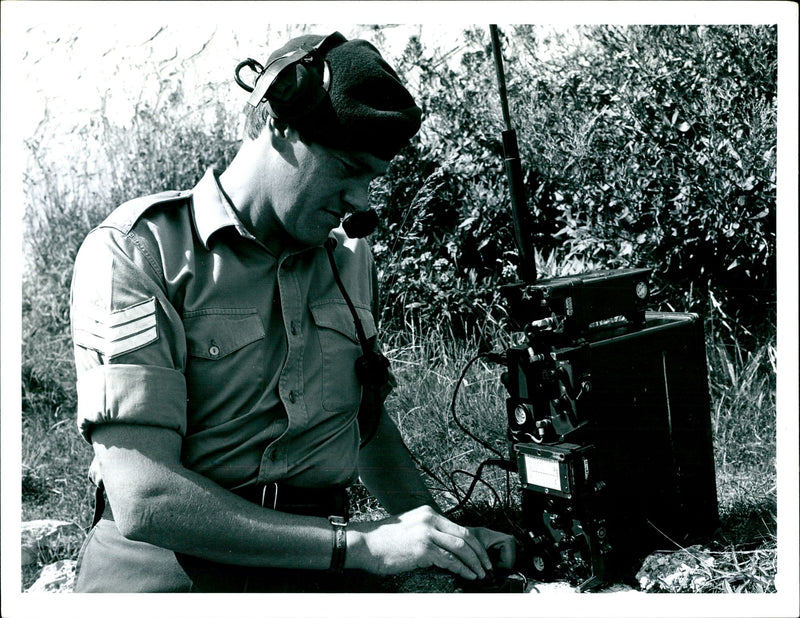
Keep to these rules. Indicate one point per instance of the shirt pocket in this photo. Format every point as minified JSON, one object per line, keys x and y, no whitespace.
{"x":213,"y":334}
{"x":225,"y":363}
{"x":340,"y":349}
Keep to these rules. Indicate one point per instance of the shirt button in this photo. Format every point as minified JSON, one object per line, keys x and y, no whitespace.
{"x":292,"y":396}
{"x":213,"y":350}
{"x":294,"y":328}
{"x":272,"y":455}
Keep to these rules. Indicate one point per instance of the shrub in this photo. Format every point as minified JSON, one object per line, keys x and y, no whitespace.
{"x":644,"y":146}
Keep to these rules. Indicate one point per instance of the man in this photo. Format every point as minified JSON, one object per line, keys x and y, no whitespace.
{"x":217,"y":333}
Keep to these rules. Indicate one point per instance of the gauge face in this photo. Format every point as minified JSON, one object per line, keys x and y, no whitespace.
{"x":544,"y":472}
{"x":520,"y":415}
{"x":642,"y":290}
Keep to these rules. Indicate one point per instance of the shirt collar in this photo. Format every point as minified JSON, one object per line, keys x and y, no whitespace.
{"x":211,"y":209}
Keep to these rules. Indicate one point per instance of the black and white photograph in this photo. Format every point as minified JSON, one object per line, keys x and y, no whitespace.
{"x":419,"y":316}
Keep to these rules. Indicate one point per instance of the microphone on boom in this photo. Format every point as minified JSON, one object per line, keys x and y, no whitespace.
{"x":361,"y":223}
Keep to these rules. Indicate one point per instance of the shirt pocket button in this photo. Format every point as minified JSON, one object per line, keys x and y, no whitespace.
{"x":213,"y":350}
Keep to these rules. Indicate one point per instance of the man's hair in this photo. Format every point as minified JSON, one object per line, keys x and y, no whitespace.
{"x":256,"y":119}
{"x":366,"y":108}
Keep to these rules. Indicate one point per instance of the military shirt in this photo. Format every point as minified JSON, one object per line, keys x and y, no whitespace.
{"x":183,"y":320}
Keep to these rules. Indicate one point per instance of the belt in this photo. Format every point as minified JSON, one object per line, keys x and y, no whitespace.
{"x":315,"y":501}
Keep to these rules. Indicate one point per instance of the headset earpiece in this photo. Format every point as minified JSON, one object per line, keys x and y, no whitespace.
{"x":292,"y":85}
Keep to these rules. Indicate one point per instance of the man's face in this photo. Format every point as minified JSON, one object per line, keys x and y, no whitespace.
{"x":317,"y":186}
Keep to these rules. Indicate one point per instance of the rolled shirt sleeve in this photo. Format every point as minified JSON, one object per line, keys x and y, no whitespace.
{"x":133,"y":394}
{"x":128,"y":339}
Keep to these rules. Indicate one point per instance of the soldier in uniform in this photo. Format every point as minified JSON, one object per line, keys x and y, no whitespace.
{"x":229,"y":373}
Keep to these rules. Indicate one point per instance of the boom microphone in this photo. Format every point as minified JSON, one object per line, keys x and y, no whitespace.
{"x":360,"y":224}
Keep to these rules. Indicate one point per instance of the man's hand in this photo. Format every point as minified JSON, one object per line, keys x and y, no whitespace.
{"x":502,"y":548}
{"x":423,"y":538}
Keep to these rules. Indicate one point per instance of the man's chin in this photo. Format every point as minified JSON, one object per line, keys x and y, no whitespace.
{"x":316,"y":238}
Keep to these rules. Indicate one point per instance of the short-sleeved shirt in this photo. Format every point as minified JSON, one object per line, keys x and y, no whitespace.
{"x":183,"y":320}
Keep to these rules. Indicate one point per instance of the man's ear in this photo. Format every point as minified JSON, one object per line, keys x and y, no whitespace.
{"x":278,"y":126}
{"x":281,"y":135}
{"x":278,"y":130}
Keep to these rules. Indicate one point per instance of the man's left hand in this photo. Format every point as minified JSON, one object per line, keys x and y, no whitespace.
{"x":502,"y":548}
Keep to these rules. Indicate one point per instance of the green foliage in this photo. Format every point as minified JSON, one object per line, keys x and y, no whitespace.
{"x":169,"y":145}
{"x":678,"y":171}
{"x":645,"y":146}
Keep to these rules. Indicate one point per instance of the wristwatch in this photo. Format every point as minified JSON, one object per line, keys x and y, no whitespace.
{"x":339,"y":542}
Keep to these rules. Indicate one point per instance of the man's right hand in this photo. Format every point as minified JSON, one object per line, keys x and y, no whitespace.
{"x":420,"y":538}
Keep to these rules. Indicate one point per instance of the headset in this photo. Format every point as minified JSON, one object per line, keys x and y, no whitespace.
{"x":291,"y":87}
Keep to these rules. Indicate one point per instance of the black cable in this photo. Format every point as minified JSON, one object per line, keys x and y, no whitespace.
{"x":483,"y":443}
{"x":504,"y":509}
{"x":360,"y":334}
{"x":502,"y":463}
{"x":476,"y":479}
{"x":428,"y":471}
{"x":251,"y":64}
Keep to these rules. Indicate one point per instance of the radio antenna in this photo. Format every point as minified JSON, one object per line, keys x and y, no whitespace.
{"x":527,"y":262}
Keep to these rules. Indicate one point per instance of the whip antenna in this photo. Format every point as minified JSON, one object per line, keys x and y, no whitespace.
{"x":527,"y":262}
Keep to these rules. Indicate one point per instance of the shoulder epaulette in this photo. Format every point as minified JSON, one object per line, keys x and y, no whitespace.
{"x":125,"y":216}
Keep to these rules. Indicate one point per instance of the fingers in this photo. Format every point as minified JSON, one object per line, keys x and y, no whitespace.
{"x":502,"y":546}
{"x":469,"y":547}
{"x":507,"y":552}
{"x":457,"y":554}
{"x":468,"y":536}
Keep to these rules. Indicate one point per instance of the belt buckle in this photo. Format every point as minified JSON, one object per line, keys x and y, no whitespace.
{"x":274,"y":497}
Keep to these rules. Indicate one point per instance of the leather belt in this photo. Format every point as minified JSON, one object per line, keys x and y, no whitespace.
{"x":314,"y":501}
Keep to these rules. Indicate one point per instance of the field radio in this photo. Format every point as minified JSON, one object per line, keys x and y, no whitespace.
{"x":608,"y":415}
{"x":608,"y":425}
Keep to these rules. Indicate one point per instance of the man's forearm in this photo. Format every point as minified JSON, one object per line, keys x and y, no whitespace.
{"x":156,"y":500}
{"x":386,"y":468}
